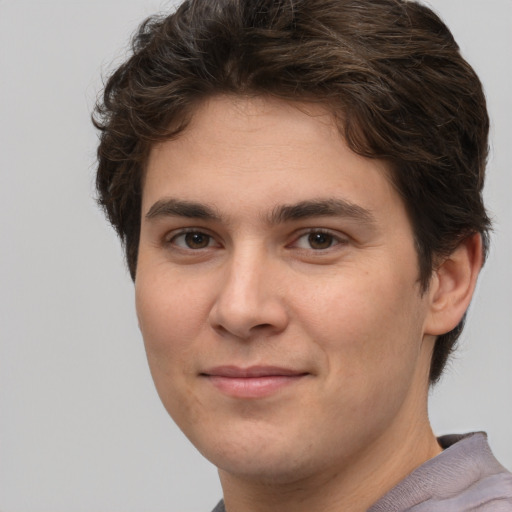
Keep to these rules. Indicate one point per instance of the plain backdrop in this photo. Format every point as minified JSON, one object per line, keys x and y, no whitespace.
{"x":81,"y":427}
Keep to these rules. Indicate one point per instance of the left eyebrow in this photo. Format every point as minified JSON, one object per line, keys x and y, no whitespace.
{"x":321,"y":208}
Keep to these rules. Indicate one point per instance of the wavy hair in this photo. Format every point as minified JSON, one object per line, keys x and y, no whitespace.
{"x":389,"y":70}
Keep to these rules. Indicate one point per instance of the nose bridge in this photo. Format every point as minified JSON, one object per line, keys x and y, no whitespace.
{"x":248,"y":299}
{"x":246,"y":273}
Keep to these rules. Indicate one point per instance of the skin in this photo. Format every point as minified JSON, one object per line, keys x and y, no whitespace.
{"x":229,"y":276}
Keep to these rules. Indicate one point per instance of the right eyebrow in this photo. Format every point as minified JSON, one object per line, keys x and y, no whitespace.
{"x":170,"y":207}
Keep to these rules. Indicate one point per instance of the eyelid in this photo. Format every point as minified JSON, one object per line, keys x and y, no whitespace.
{"x":170,"y":237}
{"x":339,"y":238}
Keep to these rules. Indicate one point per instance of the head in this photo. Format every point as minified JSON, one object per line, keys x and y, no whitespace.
{"x":389,"y":71}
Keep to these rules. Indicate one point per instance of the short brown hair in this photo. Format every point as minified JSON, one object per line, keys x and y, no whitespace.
{"x":389,"y":70}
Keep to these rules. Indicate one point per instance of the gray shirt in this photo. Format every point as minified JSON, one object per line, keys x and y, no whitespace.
{"x":465,"y":477}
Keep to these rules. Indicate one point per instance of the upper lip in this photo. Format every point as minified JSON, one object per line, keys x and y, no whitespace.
{"x":251,"y":372}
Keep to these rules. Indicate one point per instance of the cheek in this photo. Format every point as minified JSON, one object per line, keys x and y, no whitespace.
{"x":369,"y":334}
{"x":364,"y":322}
{"x":170,"y":315}
{"x":170,"y":323}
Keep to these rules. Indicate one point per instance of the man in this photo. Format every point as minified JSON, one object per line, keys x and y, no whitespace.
{"x":297,"y":184}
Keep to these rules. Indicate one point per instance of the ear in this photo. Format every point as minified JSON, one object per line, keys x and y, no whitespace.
{"x":452,"y":286}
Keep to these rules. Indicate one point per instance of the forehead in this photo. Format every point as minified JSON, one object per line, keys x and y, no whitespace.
{"x":263,"y":150}
{"x":257,"y":122}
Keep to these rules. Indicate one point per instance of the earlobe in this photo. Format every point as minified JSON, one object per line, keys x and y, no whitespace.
{"x":452,"y":286}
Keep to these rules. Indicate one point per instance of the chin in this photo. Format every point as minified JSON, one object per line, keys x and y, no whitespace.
{"x":261,"y":458}
{"x":266,"y":470}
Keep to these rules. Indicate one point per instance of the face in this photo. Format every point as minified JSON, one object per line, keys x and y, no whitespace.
{"x":277,"y":291}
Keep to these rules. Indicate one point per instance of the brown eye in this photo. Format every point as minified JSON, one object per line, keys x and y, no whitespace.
{"x":320,"y":241}
{"x":197,"y":240}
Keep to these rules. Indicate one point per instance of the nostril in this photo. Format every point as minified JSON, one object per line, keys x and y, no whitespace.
{"x":261,"y":327}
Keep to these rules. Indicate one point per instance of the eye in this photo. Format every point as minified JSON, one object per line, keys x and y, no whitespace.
{"x":317,"y":240}
{"x":194,"y":240}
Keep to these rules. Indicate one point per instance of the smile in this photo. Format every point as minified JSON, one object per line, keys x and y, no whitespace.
{"x":253,"y":382}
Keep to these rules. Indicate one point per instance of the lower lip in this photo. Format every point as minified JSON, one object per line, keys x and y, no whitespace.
{"x":253,"y":387}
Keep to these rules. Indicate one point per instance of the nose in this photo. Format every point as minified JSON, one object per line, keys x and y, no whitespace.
{"x":250,"y":301}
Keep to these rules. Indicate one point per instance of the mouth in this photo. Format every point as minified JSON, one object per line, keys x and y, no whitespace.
{"x":252,"y":382}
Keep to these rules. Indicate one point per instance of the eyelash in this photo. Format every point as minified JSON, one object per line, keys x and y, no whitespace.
{"x":332,"y":240}
{"x":335,"y":239}
{"x":171,"y":240}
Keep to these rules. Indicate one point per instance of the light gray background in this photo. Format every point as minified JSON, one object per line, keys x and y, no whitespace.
{"x":81,"y":427}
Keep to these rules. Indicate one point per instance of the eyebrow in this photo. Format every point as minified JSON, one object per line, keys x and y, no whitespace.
{"x":179,"y":208}
{"x":170,"y":207}
{"x":321,"y":208}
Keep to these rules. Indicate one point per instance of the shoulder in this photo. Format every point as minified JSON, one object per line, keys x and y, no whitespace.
{"x":466,"y":477}
{"x":492,"y":493}
{"x":219,"y":507}
{"x":496,"y":506}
